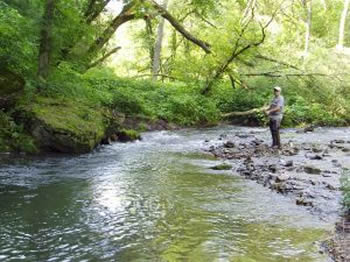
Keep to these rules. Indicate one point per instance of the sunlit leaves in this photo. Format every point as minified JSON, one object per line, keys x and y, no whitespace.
{"x":17,"y":40}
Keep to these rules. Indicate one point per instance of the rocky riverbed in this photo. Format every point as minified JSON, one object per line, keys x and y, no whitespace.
{"x":307,"y":169}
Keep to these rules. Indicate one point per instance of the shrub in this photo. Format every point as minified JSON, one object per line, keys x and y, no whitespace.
{"x":13,"y":136}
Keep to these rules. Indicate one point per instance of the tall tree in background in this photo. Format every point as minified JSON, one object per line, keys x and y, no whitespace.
{"x":308,"y":8}
{"x":150,"y":39}
{"x":45,"y":48}
{"x":342,"y":24}
{"x":158,"y":45}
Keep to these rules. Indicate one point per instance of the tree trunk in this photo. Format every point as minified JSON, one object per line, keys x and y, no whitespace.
{"x":46,"y":40}
{"x":308,"y":6}
{"x":150,"y":39}
{"x":158,"y":45}
{"x":342,"y":24}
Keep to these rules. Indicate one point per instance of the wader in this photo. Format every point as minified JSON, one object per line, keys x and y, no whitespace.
{"x":275,"y":132}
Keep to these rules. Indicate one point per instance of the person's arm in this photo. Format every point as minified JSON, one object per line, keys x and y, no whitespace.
{"x":273,"y":109}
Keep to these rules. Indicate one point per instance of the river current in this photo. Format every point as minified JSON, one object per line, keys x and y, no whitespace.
{"x":151,"y":200}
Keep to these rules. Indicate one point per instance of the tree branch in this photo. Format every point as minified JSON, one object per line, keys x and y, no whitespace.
{"x":125,"y":16}
{"x":205,"y":20}
{"x":164,"y":13}
{"x":280,"y":74}
{"x":236,"y":52}
{"x":103,"y":58}
{"x":94,"y":9}
{"x":276,"y":61}
{"x":160,"y":75}
{"x":245,"y":113}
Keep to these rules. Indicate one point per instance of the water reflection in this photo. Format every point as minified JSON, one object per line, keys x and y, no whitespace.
{"x":149,"y":201}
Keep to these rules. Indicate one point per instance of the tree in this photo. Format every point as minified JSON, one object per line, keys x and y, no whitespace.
{"x":158,"y":45}
{"x":308,"y":8}
{"x":45,"y":48}
{"x":133,"y":10}
{"x":342,"y":24}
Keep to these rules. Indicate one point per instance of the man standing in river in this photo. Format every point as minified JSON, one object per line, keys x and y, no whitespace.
{"x":275,"y":113}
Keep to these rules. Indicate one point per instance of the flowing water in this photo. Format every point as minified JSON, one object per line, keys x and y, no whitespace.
{"x":153,"y":200}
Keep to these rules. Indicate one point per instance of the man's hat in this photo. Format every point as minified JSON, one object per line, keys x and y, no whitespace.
{"x":277,"y":88}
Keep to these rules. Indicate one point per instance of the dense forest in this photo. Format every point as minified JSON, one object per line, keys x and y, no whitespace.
{"x":193,"y":61}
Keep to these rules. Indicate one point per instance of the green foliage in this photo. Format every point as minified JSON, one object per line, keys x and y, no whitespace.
{"x":17,"y":40}
{"x":177,"y":103}
{"x":13,"y":136}
{"x":345,"y":187}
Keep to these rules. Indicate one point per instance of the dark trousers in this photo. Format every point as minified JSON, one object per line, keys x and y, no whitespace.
{"x":275,"y":132}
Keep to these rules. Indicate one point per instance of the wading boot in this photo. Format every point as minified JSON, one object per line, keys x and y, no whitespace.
{"x":274,"y":139}
{"x":278,"y":140}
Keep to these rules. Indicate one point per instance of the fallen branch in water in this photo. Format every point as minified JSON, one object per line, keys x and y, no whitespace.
{"x":281,"y":74}
{"x":246,"y":113}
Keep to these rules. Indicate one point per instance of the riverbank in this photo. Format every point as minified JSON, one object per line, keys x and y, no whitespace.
{"x":307,"y":170}
{"x":81,"y":112}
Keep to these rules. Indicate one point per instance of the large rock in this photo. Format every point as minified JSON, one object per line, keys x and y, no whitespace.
{"x":11,"y":87}
{"x":64,"y":126}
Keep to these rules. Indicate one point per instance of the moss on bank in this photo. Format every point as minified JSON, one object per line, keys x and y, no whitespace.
{"x":126,"y":135}
{"x":13,"y":138}
{"x":63,"y":125}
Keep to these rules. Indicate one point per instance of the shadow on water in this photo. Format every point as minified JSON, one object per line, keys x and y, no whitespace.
{"x":154,"y":200}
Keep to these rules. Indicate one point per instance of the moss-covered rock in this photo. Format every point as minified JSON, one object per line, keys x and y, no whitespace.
{"x":126,"y":135}
{"x":65,"y":126}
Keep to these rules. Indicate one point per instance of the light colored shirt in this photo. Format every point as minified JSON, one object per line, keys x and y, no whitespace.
{"x":277,"y":102}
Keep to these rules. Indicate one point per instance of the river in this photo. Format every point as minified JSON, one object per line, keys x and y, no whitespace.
{"x":152,"y":200}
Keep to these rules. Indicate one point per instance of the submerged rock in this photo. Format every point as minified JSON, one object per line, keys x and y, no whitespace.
{"x":229,"y":144}
{"x":301,"y":201}
{"x":312,"y":170}
{"x":223,"y":166}
{"x":314,"y":157}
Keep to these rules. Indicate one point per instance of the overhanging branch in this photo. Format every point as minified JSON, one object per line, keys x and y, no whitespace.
{"x":166,"y":15}
{"x":262,"y":57}
{"x":103,"y":58}
{"x":281,"y":74}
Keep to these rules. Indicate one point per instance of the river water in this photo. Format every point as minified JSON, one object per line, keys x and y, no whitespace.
{"x":152,"y":200}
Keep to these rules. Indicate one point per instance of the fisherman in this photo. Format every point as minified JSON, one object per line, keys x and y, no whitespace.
{"x":275,"y":113}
